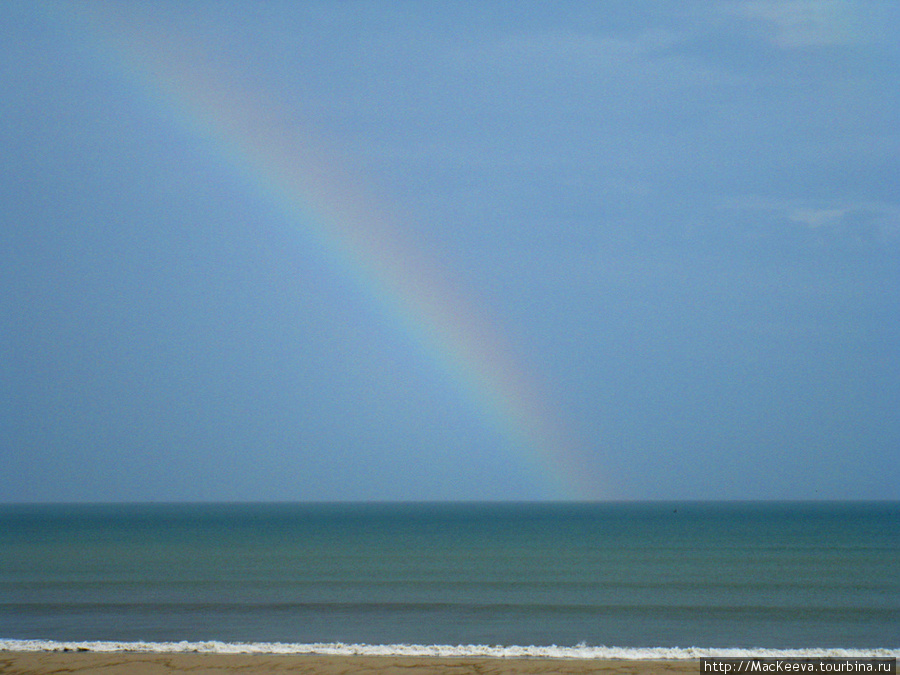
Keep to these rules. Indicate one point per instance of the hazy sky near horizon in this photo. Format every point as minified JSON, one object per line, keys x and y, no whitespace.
{"x":675,"y":224}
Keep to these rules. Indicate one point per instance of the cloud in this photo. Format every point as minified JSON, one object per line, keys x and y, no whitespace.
{"x":571,"y":53}
{"x":572,"y":48}
{"x":816,"y":217}
{"x":804,"y":23}
{"x":859,"y":221}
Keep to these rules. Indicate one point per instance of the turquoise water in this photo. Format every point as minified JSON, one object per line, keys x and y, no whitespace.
{"x":772,"y":575}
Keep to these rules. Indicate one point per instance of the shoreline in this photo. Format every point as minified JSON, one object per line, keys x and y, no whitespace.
{"x":441,"y":651}
{"x":170,"y":663}
{"x":157,"y":663}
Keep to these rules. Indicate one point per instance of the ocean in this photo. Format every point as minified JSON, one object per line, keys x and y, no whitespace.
{"x":617,"y":576}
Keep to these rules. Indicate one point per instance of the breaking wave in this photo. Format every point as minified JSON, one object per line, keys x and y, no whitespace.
{"x":580,"y":651}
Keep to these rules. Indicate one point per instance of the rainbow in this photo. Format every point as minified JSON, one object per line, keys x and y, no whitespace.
{"x":362,"y":238}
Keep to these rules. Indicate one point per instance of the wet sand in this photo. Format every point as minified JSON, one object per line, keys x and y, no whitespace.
{"x":55,"y":663}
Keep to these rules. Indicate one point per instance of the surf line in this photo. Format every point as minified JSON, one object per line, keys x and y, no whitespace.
{"x":355,"y":233}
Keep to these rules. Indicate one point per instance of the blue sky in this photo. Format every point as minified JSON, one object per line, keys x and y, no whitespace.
{"x":682,"y":217}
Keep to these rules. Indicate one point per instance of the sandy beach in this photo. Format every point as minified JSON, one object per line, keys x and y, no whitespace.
{"x":45,"y":663}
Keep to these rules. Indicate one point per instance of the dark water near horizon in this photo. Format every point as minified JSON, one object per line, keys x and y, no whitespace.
{"x":773,"y":575}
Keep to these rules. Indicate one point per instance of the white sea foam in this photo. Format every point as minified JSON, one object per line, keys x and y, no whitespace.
{"x":497,"y":651}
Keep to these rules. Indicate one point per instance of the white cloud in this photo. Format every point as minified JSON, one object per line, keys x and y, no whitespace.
{"x":817,"y":217}
{"x":648,"y":62}
{"x":877,"y":220}
{"x":804,"y":23}
{"x":577,"y":48}
{"x":570,"y":50}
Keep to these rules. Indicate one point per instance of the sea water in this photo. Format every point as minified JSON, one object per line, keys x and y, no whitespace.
{"x":632,"y":577}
